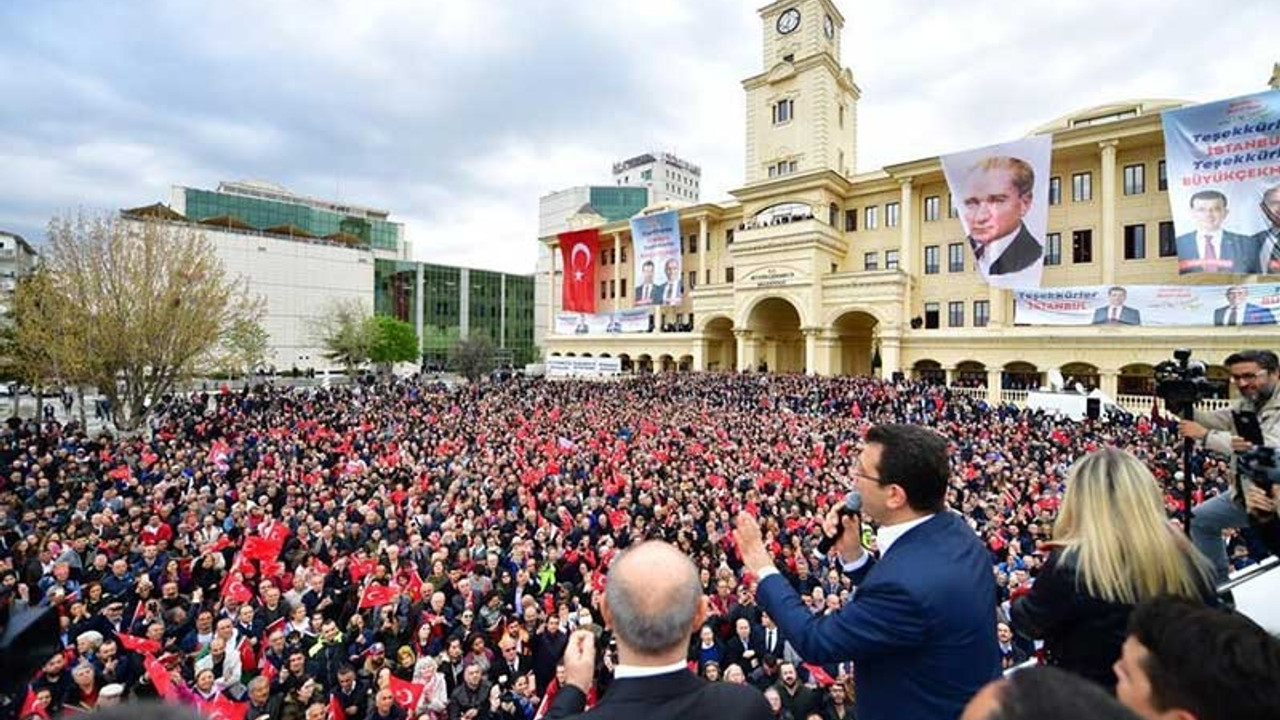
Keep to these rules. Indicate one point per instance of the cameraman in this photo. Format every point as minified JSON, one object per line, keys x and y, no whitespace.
{"x":1255,"y":374}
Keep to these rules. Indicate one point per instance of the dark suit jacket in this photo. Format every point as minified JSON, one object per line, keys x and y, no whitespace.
{"x":1021,"y":254}
{"x":679,"y":292}
{"x":920,"y":626}
{"x":1253,"y":315}
{"x":1128,"y":315}
{"x":780,"y":640}
{"x":734,"y":649}
{"x":653,"y":297}
{"x":674,"y":695}
{"x":1241,"y":250}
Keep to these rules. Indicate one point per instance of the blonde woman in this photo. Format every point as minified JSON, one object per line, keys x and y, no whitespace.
{"x":1113,"y":548}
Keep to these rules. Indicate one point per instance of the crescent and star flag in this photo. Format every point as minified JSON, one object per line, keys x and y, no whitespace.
{"x":406,"y":693}
{"x":578,"y":251}
{"x":375,"y":595}
{"x":261,"y":548}
{"x":222,"y":708}
{"x":138,"y":644}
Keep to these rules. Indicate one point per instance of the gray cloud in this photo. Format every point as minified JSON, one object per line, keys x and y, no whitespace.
{"x":457,"y":116}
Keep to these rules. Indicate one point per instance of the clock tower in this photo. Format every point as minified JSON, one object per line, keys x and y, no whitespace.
{"x":802,"y":110}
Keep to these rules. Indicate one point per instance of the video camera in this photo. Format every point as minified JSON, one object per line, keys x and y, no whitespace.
{"x":1261,"y":465}
{"x":1181,"y":382}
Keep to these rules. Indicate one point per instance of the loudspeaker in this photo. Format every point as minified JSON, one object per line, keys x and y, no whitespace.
{"x":1093,"y":408}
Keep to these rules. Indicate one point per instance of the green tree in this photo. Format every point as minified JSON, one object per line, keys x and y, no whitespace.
{"x":245,"y":346}
{"x":396,"y":342}
{"x":473,"y":356}
{"x":347,"y":333}
{"x":133,"y":306}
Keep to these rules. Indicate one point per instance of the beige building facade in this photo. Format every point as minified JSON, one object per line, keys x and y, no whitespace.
{"x":815,"y":269}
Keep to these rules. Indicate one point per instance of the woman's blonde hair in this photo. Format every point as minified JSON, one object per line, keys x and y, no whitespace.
{"x":1113,"y":526}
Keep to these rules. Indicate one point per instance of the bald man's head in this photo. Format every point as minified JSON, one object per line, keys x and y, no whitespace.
{"x":654,"y":599}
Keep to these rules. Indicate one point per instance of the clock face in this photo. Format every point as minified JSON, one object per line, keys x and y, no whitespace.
{"x":829,"y":27}
{"x":789,"y":21}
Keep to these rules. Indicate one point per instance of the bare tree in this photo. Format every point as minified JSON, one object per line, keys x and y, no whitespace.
{"x":140,"y":303}
{"x":348,"y":334}
{"x":473,"y":356}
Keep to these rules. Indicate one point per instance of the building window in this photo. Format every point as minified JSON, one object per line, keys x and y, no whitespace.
{"x":890,"y":259}
{"x":931,"y":265}
{"x":1162,"y":179}
{"x":1082,"y":187}
{"x":931,"y":204}
{"x":1135,"y":242}
{"x":693,"y":244}
{"x":871,"y":261}
{"x":981,"y":313}
{"x":850,"y":220}
{"x":931,"y":319}
{"x":842,"y":115}
{"x":1053,"y":249}
{"x":784,"y":167}
{"x":693,"y":279}
{"x":891,"y":214}
{"x":728,"y":238}
{"x":622,"y":287}
{"x":833,"y":214}
{"x":951,"y":208}
{"x":955,"y":314}
{"x":1168,"y":241}
{"x":708,"y":276}
{"x":783,"y":111}
{"x":955,"y":257}
{"x":604,"y":289}
{"x":613,"y":289}
{"x":1135,"y":179}
{"x":728,"y":274}
{"x":1055,"y":191}
{"x":1082,"y":246}
{"x":871,"y":218}
{"x":624,"y":253}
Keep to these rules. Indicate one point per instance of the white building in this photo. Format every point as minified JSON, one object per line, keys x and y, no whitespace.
{"x":17,"y":258}
{"x":667,"y":177}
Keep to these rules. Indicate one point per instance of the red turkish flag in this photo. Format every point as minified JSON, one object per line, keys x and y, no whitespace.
{"x":414,"y":587}
{"x":261,"y":549}
{"x":236,"y":590}
{"x":360,"y":567}
{"x":138,"y":644}
{"x":819,"y":675}
{"x":159,"y":677}
{"x":406,"y":693}
{"x":578,"y":251}
{"x":221,"y":708}
{"x":375,"y":595}
{"x":336,"y":711}
{"x":31,"y":706}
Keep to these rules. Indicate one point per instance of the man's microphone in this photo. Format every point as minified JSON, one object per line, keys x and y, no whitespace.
{"x":852,"y":505}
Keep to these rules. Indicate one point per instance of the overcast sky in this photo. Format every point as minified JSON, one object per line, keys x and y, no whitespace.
{"x":457,"y":116}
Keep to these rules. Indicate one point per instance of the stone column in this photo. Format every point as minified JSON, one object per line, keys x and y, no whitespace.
{"x":1108,"y":236}
{"x":993,"y":385}
{"x":890,"y":356}
{"x":906,"y":245}
{"x":746,"y":349}
{"x":951,"y":375}
{"x":704,"y":249}
{"x":699,"y":355}
{"x":811,"y":362}
{"x":1109,"y":382}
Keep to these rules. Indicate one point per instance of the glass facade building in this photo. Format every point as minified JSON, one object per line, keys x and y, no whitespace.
{"x":262,"y":214}
{"x":616,"y":203}
{"x":456,"y":303}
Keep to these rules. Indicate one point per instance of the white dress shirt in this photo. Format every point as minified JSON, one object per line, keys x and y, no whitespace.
{"x":622,"y":672}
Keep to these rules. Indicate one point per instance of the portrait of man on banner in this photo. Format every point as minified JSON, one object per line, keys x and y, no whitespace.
{"x":1001,"y":193}
{"x":672,"y":286}
{"x":1222,"y":182}
{"x":578,"y":253}
{"x":657,"y":243}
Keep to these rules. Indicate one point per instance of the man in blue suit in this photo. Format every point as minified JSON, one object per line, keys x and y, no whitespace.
{"x":1238,"y":311}
{"x":920,"y":626}
{"x":1211,"y":248}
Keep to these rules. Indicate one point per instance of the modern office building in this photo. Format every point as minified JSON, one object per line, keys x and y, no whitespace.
{"x":814,"y":267}
{"x":665,"y":176}
{"x":302,"y":254}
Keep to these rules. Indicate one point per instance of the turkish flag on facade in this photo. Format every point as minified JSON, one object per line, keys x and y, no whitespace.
{"x":578,"y":251}
{"x":406,"y":693}
{"x":375,"y":595}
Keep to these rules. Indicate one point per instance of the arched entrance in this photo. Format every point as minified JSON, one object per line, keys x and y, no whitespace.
{"x":625,"y":360}
{"x":852,"y":350}
{"x":644,"y":363}
{"x":1020,"y":376}
{"x":971,"y":374}
{"x":685,"y":363}
{"x":666,"y":363}
{"x":721,"y":345}
{"x":775,"y":332}
{"x":929,"y":371}
{"x":1081,"y":373}
{"x":1136,"y":379}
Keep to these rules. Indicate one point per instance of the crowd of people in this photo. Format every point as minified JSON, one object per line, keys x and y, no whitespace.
{"x":406,"y":549}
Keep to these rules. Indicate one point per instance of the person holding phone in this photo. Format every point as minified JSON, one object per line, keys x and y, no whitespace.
{"x":1254,"y":373}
